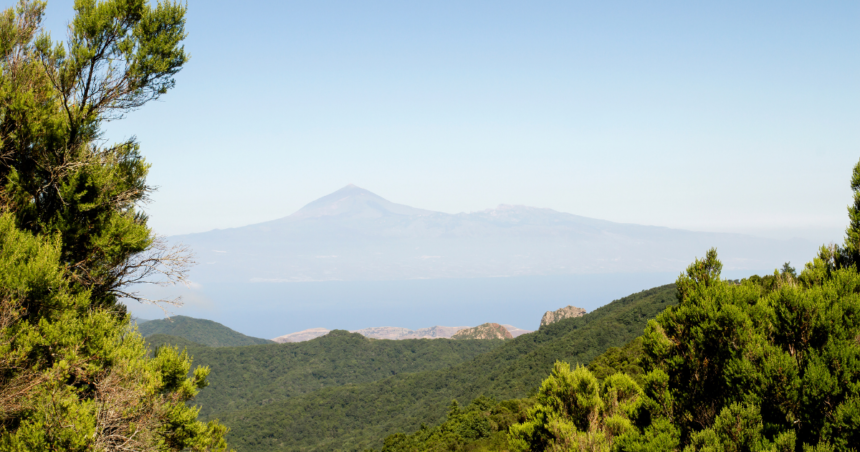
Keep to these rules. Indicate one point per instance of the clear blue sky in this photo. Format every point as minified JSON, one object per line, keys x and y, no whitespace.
{"x":721,"y":116}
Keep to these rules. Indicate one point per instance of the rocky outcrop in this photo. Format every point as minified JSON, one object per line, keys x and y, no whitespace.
{"x":516,"y":332}
{"x":397,"y":333}
{"x":485,"y":331}
{"x":383,"y":332}
{"x":301,"y":336}
{"x":563,"y":313}
{"x":434,"y":332}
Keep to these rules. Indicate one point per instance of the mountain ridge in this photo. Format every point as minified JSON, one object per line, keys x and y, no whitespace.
{"x":393,"y":333}
{"x":356,"y":235}
{"x":200,"y":331}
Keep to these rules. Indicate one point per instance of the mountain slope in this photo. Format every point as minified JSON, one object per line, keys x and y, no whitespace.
{"x":353,"y":417}
{"x":201,"y":331}
{"x":253,"y":376}
{"x":355,"y":235}
{"x":484,"y":331}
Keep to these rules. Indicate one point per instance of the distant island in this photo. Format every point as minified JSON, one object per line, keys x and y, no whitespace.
{"x":355,"y":235}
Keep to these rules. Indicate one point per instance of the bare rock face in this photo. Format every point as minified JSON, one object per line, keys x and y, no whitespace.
{"x":563,"y":313}
{"x":434,"y":332}
{"x":397,"y":333}
{"x":301,"y":336}
{"x":383,"y":332}
{"x":485,"y":331}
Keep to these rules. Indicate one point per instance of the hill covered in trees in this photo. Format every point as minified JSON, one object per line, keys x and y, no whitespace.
{"x":200,"y":331}
{"x":356,"y":416}
{"x":253,"y":376}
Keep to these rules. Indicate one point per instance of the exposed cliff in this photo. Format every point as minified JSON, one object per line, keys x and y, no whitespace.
{"x":301,"y":336}
{"x":485,"y":331}
{"x":398,"y":333}
{"x":563,"y":313}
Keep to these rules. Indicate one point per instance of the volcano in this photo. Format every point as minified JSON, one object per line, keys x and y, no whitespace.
{"x":356,"y":235}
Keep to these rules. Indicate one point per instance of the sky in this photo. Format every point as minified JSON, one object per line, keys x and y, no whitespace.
{"x":712,"y":116}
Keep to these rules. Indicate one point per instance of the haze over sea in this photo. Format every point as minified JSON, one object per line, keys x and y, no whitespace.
{"x":712,"y":117}
{"x":272,"y":309}
{"x":353,"y":259}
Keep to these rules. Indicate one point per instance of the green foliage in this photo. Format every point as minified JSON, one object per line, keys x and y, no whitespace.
{"x":481,"y":426}
{"x":200,"y":331}
{"x":57,"y":176}
{"x":157,"y":340}
{"x":849,"y":254}
{"x":73,"y":377}
{"x":747,"y":366}
{"x":626,"y":360}
{"x":248,"y":377}
{"x":574,"y":411}
{"x":789,"y":356}
{"x":357,"y":416}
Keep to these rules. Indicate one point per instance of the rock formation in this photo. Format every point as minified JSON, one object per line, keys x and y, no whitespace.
{"x":434,"y":332}
{"x":485,"y":331}
{"x":398,"y":333}
{"x":301,"y":336}
{"x":383,"y":332}
{"x":563,"y":313}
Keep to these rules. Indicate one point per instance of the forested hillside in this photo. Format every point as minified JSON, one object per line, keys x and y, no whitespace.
{"x":200,"y":331}
{"x":482,"y":425}
{"x":356,"y":416}
{"x":253,"y":376}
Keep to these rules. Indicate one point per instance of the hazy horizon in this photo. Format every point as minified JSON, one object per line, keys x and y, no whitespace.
{"x":358,"y":285}
{"x":724,"y":117}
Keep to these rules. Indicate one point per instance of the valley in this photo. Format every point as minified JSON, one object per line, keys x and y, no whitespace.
{"x":345,"y":391}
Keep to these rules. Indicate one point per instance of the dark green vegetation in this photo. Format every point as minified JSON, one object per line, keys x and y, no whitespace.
{"x":762,"y":364}
{"x":481,"y":426}
{"x":158,"y":340}
{"x":73,"y":240}
{"x":250,"y":377}
{"x":627,"y":359}
{"x":767,"y":364}
{"x":200,"y":331}
{"x":352,"y":417}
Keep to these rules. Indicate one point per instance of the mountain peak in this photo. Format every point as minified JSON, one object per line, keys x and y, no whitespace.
{"x":353,"y":201}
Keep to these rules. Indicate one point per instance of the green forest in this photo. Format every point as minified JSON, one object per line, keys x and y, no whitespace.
{"x":251,"y":377}
{"x":200,"y":331}
{"x":766,"y":363}
{"x":355,"y":415}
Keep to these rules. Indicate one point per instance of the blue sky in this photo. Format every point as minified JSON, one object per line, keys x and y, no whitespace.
{"x":718,"y":116}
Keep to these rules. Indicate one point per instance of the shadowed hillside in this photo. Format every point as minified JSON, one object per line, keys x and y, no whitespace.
{"x":200,"y":331}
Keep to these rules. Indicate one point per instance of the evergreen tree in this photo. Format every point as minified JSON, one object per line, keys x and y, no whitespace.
{"x":73,"y":374}
{"x":59,"y":175}
{"x":767,"y":364}
{"x":74,"y":377}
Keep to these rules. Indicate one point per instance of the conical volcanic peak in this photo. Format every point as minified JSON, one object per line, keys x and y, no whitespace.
{"x":355,"y":202}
